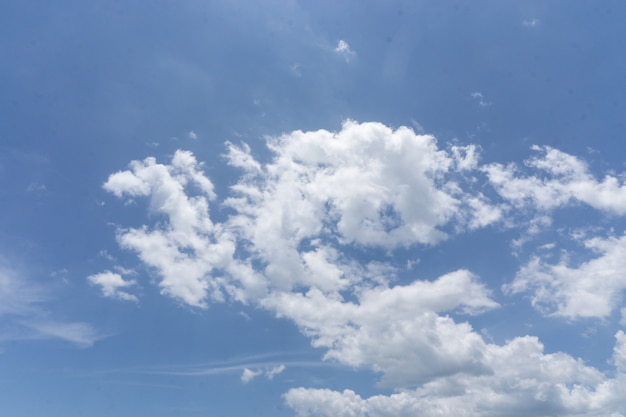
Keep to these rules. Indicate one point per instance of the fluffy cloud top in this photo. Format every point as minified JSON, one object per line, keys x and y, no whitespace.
{"x":188,"y":247}
{"x":294,"y":244}
{"x":367,"y":185}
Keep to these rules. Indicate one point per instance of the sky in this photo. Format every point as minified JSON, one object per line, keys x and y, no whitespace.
{"x":312,"y":208}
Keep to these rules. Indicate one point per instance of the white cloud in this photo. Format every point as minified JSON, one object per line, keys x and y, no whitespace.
{"x":343,"y":50}
{"x":289,"y":242}
{"x":192,"y":135}
{"x":592,"y":289}
{"x":561,"y":179}
{"x":188,"y":247}
{"x":111,"y":285}
{"x":522,"y":380}
{"x":248,"y":375}
{"x":271,"y":373}
{"x":365,"y":185}
{"x":392,"y":323}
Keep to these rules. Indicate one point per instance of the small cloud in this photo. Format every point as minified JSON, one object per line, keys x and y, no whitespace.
{"x":124,"y":271}
{"x":410,"y":263}
{"x":295,"y":70}
{"x":248,"y":375}
{"x":343,"y":49}
{"x":274,"y":371}
{"x":622,"y":322}
{"x":548,"y":246}
{"x":59,"y":272}
{"x":480,"y":99}
{"x":110,"y":283}
{"x":62,"y":275}
{"x":192,"y":135}
{"x":531,"y":23}
{"x":106,"y":255}
{"x":36,"y":187}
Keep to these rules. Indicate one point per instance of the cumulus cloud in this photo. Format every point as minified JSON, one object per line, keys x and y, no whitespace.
{"x":298,"y":228}
{"x":367,"y":184}
{"x":111,"y":285}
{"x":592,"y":289}
{"x":561,"y":180}
{"x":187,"y":248}
{"x":388,"y":323}
{"x":523,"y":380}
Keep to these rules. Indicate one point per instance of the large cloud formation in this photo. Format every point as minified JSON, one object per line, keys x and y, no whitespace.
{"x":294,"y":241}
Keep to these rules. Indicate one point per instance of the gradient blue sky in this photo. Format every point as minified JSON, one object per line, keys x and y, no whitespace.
{"x":380,"y":208}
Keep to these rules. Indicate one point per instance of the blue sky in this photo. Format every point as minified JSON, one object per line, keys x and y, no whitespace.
{"x":283,"y":208}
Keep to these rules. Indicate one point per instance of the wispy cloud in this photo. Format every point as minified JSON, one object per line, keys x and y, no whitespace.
{"x":531,"y":23}
{"x":80,"y":334}
{"x":275,"y":371}
{"x":24,"y":317}
{"x":480,"y":99}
